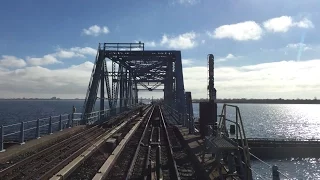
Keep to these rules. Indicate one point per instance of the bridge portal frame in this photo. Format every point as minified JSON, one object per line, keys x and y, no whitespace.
{"x":134,"y":69}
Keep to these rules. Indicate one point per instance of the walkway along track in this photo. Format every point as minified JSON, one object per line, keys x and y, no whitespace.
{"x":48,"y":161}
{"x":148,"y":154}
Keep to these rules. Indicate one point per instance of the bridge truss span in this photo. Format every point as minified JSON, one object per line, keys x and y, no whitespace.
{"x":123,"y":69}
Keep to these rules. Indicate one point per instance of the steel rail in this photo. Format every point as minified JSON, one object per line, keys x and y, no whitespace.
{"x":69,"y":165}
{"x":47,"y":170}
{"x":109,"y":163}
{"x":50,"y":151}
{"x":175,"y":174}
{"x":130,"y":171}
{"x":43,"y":152}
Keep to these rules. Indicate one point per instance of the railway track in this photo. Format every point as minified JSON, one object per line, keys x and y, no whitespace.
{"x":184,"y":165}
{"x":148,"y":155}
{"x":27,"y":167}
{"x":121,"y":166}
{"x":45,"y":163}
{"x":91,"y":166}
{"x":88,"y":163}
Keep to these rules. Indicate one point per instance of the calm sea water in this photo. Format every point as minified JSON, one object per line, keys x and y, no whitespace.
{"x":280,"y":121}
{"x":260,"y":121}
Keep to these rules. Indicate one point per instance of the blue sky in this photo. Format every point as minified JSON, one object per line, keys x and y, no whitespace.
{"x":263,"y":49}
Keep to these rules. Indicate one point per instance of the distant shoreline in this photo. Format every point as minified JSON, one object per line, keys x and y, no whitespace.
{"x":40,"y":99}
{"x":264,"y":101}
{"x":234,"y":101}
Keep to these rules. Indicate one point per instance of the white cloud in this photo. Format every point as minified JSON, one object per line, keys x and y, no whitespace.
{"x":41,"y":82}
{"x":285,"y":79}
{"x":298,"y":46}
{"x":150,"y":44}
{"x":227,"y":57}
{"x":203,"y":41}
{"x":53,"y":58}
{"x":45,"y":60}
{"x":182,"y":41}
{"x":191,"y":2}
{"x":187,"y":62}
{"x":12,"y":62}
{"x":248,"y":30}
{"x":147,"y":43}
{"x":284,"y":23}
{"x":67,"y":54}
{"x":304,"y":23}
{"x":62,"y":54}
{"x":132,"y":49}
{"x":96,"y":30}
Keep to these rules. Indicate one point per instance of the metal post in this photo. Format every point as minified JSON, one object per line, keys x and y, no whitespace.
{"x":38,"y":129}
{"x":72,"y":117}
{"x":69,"y":121}
{"x":102,"y":84}
{"x":191,"y":128}
{"x":60,"y":123}
{"x":22,"y":133}
{"x":186,"y":122}
{"x":275,"y":173}
{"x":50,"y":126}
{"x":2,"y":139}
{"x":158,"y":162}
{"x":80,"y":119}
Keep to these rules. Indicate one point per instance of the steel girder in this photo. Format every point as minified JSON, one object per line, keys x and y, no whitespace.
{"x":131,"y":66}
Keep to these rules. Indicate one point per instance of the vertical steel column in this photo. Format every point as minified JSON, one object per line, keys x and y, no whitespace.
{"x":130,"y":89}
{"x":60,"y":123}
{"x":69,"y":121}
{"x":180,"y":96}
{"x":136,"y":101}
{"x":211,"y":88}
{"x":121,"y":89}
{"x":38,"y":129}
{"x":275,"y":173}
{"x":190,"y":112}
{"x":50,"y":126}
{"x":102,"y":76}
{"x":168,"y":84}
{"x":22,"y":133}
{"x":126,"y":90}
{"x":2,"y":139}
{"x":94,"y":83}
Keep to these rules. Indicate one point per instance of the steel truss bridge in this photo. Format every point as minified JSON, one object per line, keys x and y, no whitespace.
{"x":133,"y":69}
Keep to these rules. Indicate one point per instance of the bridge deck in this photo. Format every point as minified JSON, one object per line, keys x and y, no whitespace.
{"x":34,"y":144}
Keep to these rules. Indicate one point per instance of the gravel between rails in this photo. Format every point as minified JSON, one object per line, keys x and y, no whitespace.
{"x":38,"y":167}
{"x":22,"y":156}
{"x":120,"y":168}
{"x":90,"y":167}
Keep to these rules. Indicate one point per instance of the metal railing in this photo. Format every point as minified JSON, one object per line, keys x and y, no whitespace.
{"x":34,"y":129}
{"x":184,"y":120}
{"x":293,"y":140}
{"x":240,"y":135}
